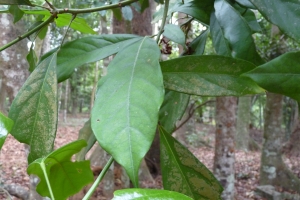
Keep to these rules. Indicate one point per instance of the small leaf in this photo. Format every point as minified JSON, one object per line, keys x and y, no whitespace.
{"x":280,"y":75}
{"x":289,"y":18}
{"x":172,"y":109}
{"x":250,"y":17}
{"x":127,"y":103}
{"x":88,"y":49}
{"x":198,"y":9}
{"x":144,"y":4}
{"x":127,"y":13}
{"x":43,"y":32}
{"x":174,"y":33}
{"x":34,"y":110}
{"x":117,"y":13}
{"x":183,"y":172}
{"x":6,"y":125}
{"x":86,"y":133}
{"x":16,"y":12}
{"x":241,"y":42}
{"x":198,"y":45}
{"x":209,"y":76}
{"x":32,"y":59}
{"x":15,"y":2}
{"x":148,"y":194}
{"x":59,"y":175}
{"x":32,"y":37}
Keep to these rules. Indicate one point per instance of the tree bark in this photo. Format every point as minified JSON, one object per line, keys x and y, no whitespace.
{"x":242,"y":124}
{"x":273,"y":171}
{"x":224,"y":144}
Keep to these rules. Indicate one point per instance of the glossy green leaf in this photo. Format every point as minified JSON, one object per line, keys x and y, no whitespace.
{"x":198,"y":9}
{"x":209,"y":76}
{"x":59,"y":176}
{"x":78,"y":23}
{"x":144,"y":4}
{"x":280,"y":75}
{"x":246,"y":3}
{"x":127,"y":103}
{"x":241,"y":42}
{"x":174,"y":33}
{"x":183,"y":172}
{"x":219,"y":41}
{"x":16,"y":12}
{"x":127,"y":13}
{"x":86,"y":133}
{"x":15,"y":2}
{"x":88,"y":49}
{"x":197,"y":46}
{"x":284,"y":14}
{"x":43,"y":32}
{"x":172,"y":109}
{"x":34,"y":110}
{"x":117,"y":13}
{"x":31,"y":59}
{"x":148,"y":194}
{"x":6,"y":125}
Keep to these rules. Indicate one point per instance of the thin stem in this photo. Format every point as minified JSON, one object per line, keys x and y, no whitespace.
{"x":73,"y":17}
{"x":163,"y":20}
{"x":98,"y":180}
{"x":50,"y":19}
{"x":43,"y":166}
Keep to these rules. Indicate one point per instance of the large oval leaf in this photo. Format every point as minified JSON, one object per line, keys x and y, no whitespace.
{"x":284,"y":14}
{"x":172,"y":109}
{"x":174,"y":33}
{"x":209,"y":76}
{"x":88,"y":49}
{"x":183,"y":172}
{"x":59,"y":176}
{"x":280,"y":75}
{"x":237,"y":32}
{"x":34,"y":110}
{"x":148,"y":194}
{"x":6,"y":125}
{"x":125,"y":114}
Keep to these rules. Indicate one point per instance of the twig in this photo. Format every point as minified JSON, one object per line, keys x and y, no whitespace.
{"x":50,"y":19}
{"x":98,"y":180}
{"x":163,"y":20}
{"x":191,"y":113}
{"x":73,"y":17}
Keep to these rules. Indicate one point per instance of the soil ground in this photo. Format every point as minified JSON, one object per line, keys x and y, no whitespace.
{"x":13,"y":162}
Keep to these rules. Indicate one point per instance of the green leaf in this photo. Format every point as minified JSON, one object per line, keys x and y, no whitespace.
{"x":127,"y":103}
{"x":198,"y":9}
{"x":246,"y":3}
{"x":219,"y":41}
{"x":34,"y":110}
{"x":148,"y":194}
{"x":43,"y":32}
{"x":6,"y":125}
{"x":174,"y":33}
{"x":160,"y":1}
{"x":197,"y":46}
{"x":284,"y":14}
{"x":144,"y":4}
{"x":88,"y":49}
{"x":15,"y":2}
{"x":127,"y":13}
{"x":209,"y":76}
{"x":250,"y":17}
{"x":16,"y":12}
{"x":78,"y":23}
{"x":183,"y":172}
{"x":86,"y":133}
{"x":33,"y":36}
{"x":172,"y":109}
{"x":117,"y":13}
{"x":280,"y":75}
{"x":32,"y":59}
{"x":59,"y":176}
{"x":241,"y":42}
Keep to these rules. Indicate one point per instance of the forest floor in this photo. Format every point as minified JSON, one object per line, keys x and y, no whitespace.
{"x":13,"y":162}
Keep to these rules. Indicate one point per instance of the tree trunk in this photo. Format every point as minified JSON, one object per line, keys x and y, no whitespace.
{"x":242,"y":124}
{"x":224,"y":145}
{"x":273,"y":170}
